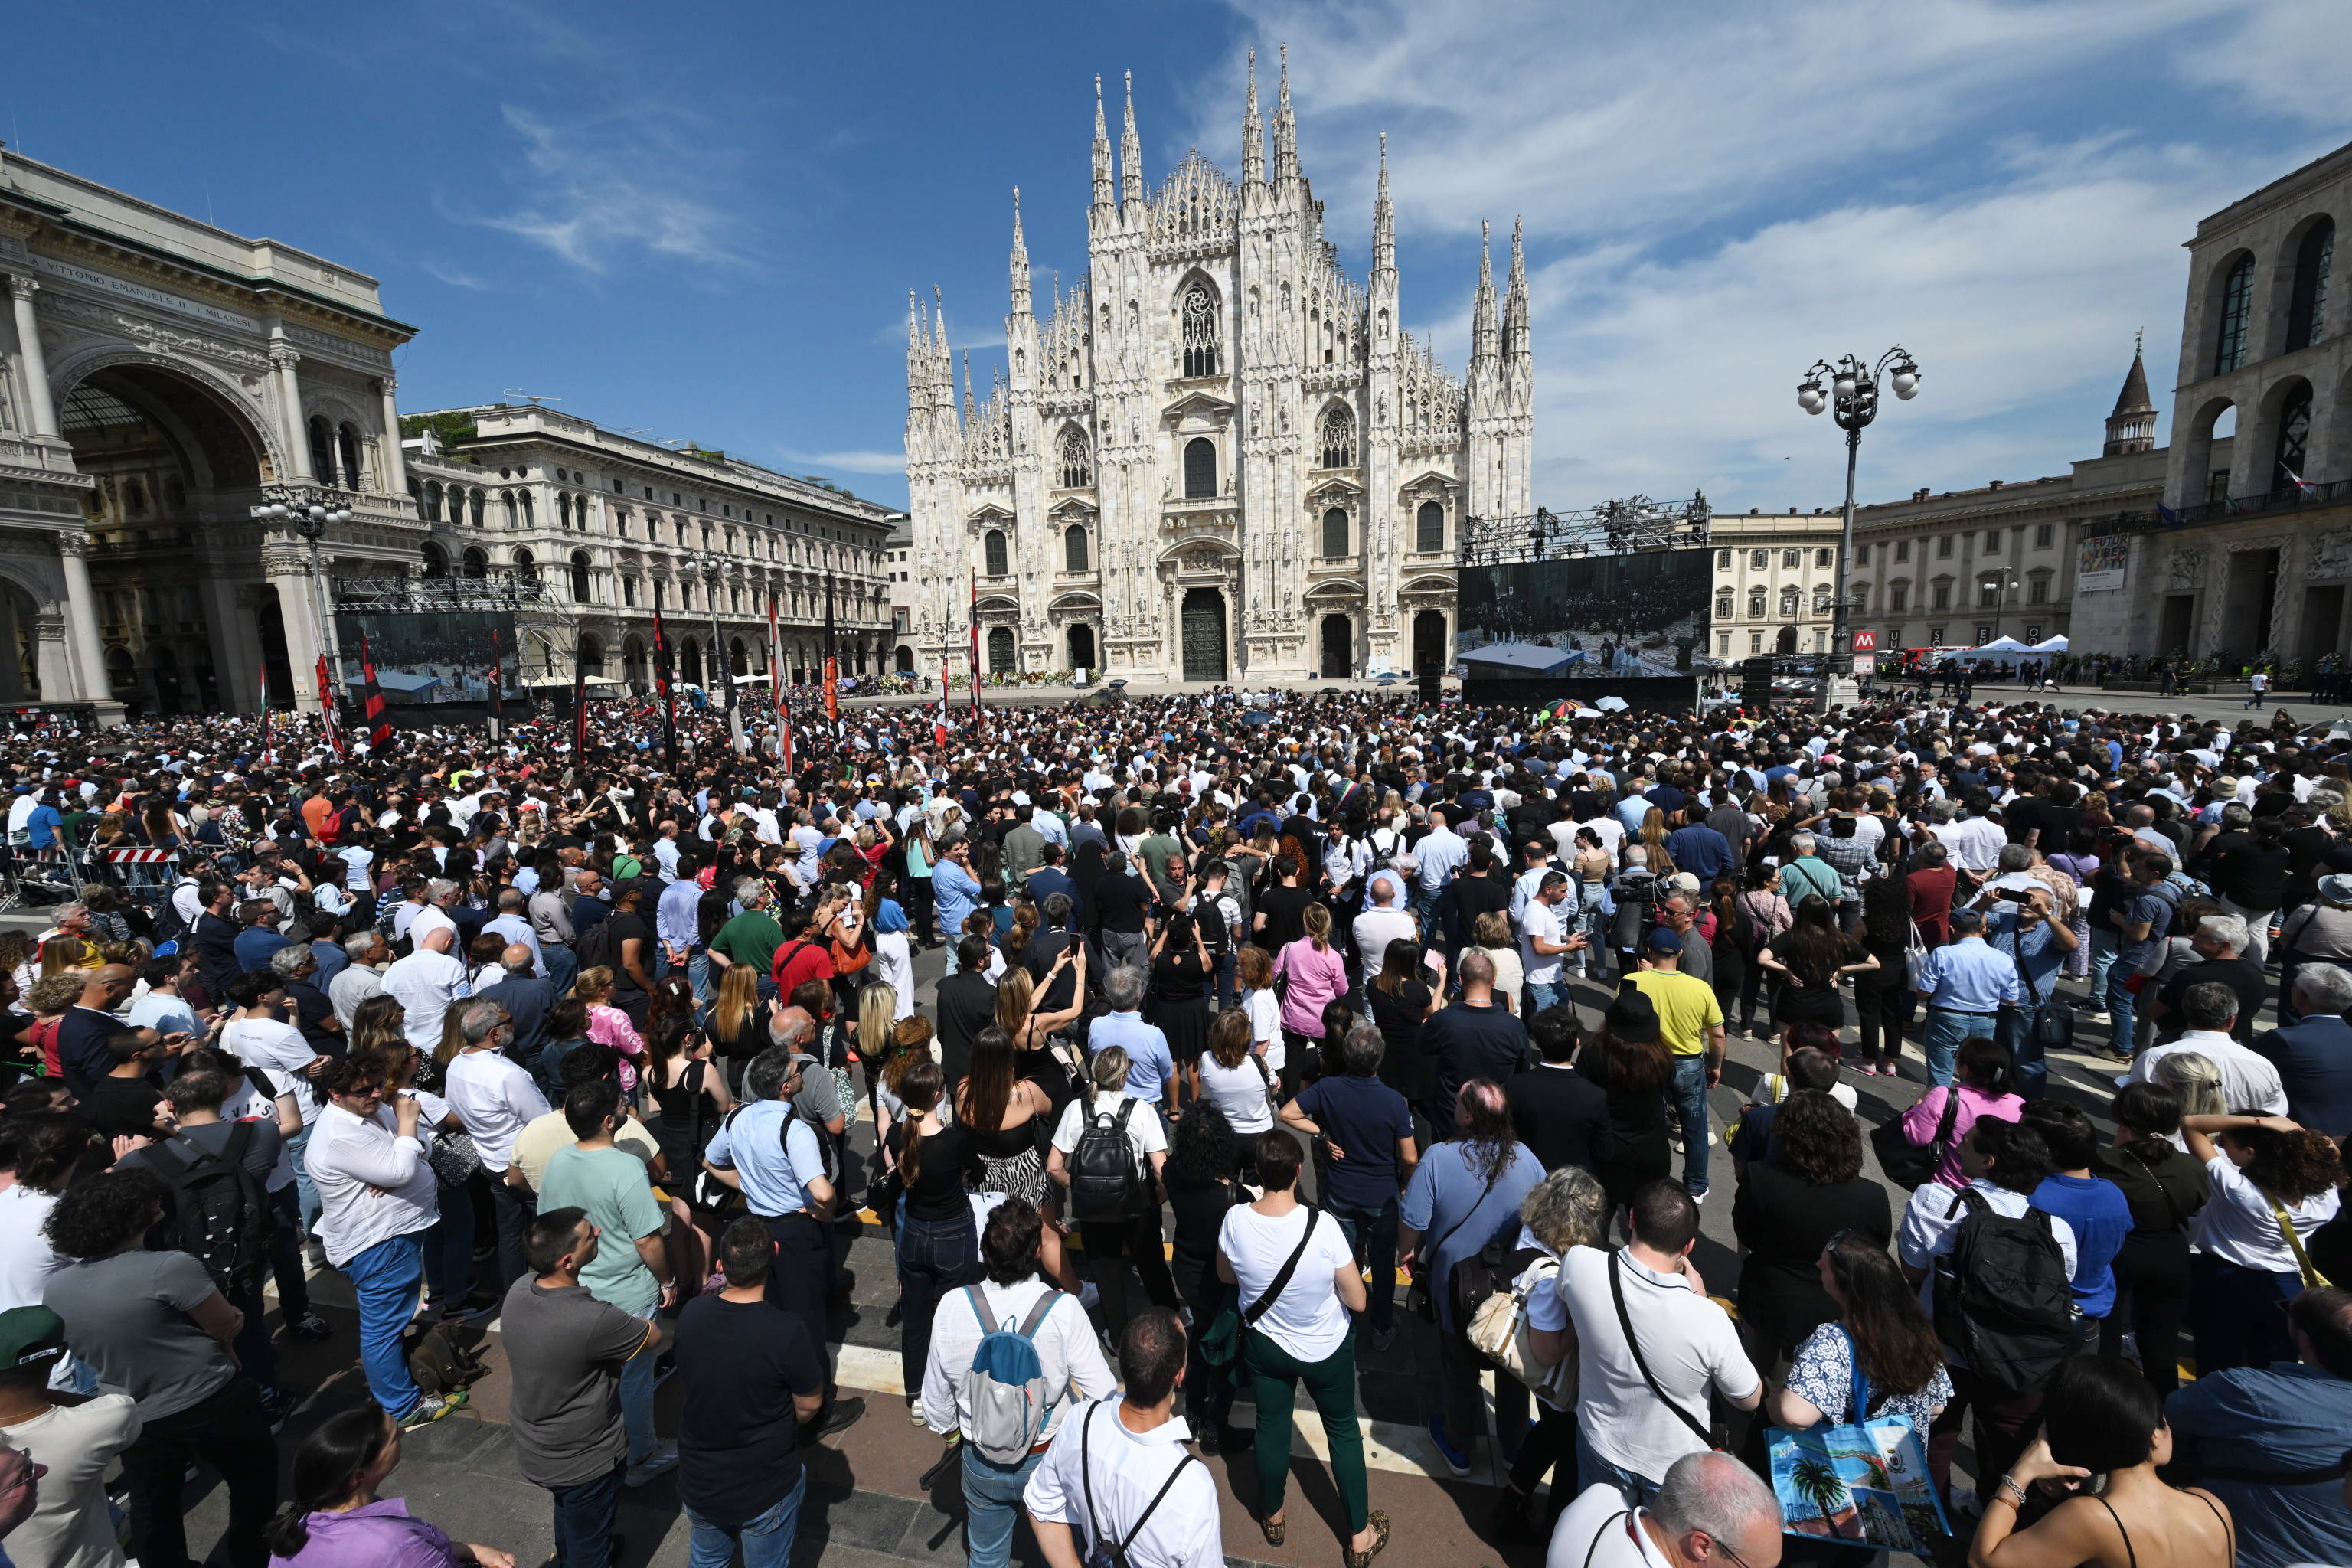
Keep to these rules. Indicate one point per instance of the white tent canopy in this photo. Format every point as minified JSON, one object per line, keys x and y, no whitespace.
{"x":2002,"y":644}
{"x":2049,"y":644}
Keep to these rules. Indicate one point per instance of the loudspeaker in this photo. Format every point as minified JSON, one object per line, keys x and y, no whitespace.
{"x":1432,"y":680}
{"x":1756,"y":682}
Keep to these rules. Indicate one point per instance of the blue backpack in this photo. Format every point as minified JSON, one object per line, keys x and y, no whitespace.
{"x":1009,"y":1397}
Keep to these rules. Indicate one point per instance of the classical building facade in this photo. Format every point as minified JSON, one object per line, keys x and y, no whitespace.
{"x":597,"y":530}
{"x":160,"y":382}
{"x":1772,"y":578}
{"x":2250,"y":549}
{"x":1218,"y":457}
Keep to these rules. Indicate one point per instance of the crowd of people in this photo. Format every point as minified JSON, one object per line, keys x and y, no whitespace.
{"x":1259,"y":1047}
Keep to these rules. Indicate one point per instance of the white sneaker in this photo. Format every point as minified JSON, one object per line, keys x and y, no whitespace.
{"x":914,"y":1410}
{"x":2099,"y":1017}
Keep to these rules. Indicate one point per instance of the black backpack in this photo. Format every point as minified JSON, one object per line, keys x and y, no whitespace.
{"x":2003,"y":1300}
{"x":216,"y":1212}
{"x":1107,"y":1183}
{"x":595,"y":949}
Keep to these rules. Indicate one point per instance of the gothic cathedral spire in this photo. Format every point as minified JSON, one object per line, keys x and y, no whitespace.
{"x":1383,"y":224}
{"x":1516,"y":346}
{"x":1019,"y":264}
{"x":1484,"y":349}
{"x":1103,"y":191}
{"x":1253,"y":135}
{"x":1285,"y":133}
{"x":1130,"y":158}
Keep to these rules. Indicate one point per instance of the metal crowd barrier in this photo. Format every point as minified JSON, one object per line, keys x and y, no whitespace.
{"x":30,"y":876}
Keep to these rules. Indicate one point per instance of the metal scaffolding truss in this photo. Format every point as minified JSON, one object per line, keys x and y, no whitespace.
{"x":1611,"y":527}
{"x":502,"y":588}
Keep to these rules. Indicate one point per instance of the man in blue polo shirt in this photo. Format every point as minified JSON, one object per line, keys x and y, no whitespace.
{"x":1366,"y":1130}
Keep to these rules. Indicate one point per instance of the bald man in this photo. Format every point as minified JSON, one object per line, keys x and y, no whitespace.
{"x":525,"y":997}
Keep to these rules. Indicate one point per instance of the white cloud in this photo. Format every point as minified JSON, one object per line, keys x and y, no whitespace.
{"x":457,"y":278}
{"x":853,"y":462}
{"x":601,"y":187}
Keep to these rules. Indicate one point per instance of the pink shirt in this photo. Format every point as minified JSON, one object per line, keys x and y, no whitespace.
{"x":1920,"y":1123}
{"x":1316,"y":978}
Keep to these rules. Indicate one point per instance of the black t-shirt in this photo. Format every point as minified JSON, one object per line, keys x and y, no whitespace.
{"x":1120,"y":903}
{"x":626,"y":927}
{"x":741,"y":1363}
{"x":1559,"y":1115}
{"x":2242,"y":975}
{"x":947,"y":1157}
{"x":1285,"y":910}
{"x":1476,"y":896}
{"x":122,"y":1107}
{"x":1178,"y":976}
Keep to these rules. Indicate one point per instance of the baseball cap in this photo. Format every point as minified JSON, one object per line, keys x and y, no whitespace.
{"x":1665,"y":940}
{"x":30,"y":1334}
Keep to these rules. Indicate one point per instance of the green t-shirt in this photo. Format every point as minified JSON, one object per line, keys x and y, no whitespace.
{"x":751,"y":938}
{"x":611,"y":1186}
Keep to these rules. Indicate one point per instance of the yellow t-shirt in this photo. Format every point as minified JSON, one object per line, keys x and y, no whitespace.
{"x":1687,"y":1008}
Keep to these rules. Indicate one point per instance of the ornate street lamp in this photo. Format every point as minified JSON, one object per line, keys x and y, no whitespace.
{"x":1852,"y":395}
{"x":309,"y":520}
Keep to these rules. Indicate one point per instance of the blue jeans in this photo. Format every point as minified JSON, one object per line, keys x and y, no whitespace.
{"x":936,"y":1258}
{"x":637,"y":1401}
{"x":1542,"y":994}
{"x":385,"y":1279}
{"x":991,"y":1501}
{"x":2028,"y":1072}
{"x":767,"y":1540}
{"x":583,"y":1521}
{"x":698,"y":974}
{"x":1371,"y":1235}
{"x":307,"y":1194}
{"x":2103,"y":957}
{"x":1687,"y":1096}
{"x":1944,"y":1032}
{"x":449,"y":1248}
{"x":563,"y":969}
{"x":2121,"y":1005}
{"x":1591,"y":1470}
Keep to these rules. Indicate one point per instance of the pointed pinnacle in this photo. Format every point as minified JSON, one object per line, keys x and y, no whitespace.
{"x":1130,"y":103}
{"x":1017,"y":218}
{"x":1102,"y":131}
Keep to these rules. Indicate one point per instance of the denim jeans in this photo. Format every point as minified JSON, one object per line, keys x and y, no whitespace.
{"x":1372,"y":1237}
{"x":1227,"y":997}
{"x":1687,"y":1096}
{"x":1542,"y":994}
{"x":2103,"y":957}
{"x":767,"y":1540}
{"x":2121,"y":1007}
{"x":583,"y":1521}
{"x":936,"y":1258}
{"x":306,"y":1193}
{"x":449,"y":1247}
{"x":563,"y":969}
{"x":2029,"y":1071}
{"x":637,"y":1401}
{"x":385,"y":1279}
{"x":1944,"y":1032}
{"x":1591,"y":1470}
{"x":991,"y":1501}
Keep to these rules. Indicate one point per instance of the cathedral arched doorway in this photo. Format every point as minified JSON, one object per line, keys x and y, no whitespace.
{"x":906,"y":660}
{"x":689,"y":664}
{"x":1430,"y":644}
{"x":999,"y":650}
{"x":1203,"y":623}
{"x":166,"y":451}
{"x":1338,"y":648}
{"x":1082,"y":649}
{"x":632,"y":664}
{"x":1788,"y":640}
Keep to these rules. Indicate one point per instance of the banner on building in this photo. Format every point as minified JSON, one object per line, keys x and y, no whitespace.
{"x":2099,"y":563}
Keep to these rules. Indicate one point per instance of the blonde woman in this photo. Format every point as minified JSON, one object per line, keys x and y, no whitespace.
{"x":738,"y":1027}
{"x":1654,"y":841}
{"x":1567,"y":1209}
{"x":1491,"y":934}
{"x":2196,"y":1078}
{"x":608,"y":1025}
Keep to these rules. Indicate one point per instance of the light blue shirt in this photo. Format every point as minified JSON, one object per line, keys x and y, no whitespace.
{"x":1441,"y":852}
{"x":676,"y":918}
{"x":518,"y":932}
{"x":1150,"y":1064}
{"x":165,"y":1013}
{"x":1966,"y":976}
{"x":774,"y":1166}
{"x":956,"y":891}
{"x":2032,"y":948}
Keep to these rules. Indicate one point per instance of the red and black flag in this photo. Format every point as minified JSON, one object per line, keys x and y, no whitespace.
{"x":580,"y":697}
{"x":264,"y":747}
{"x":328,"y":717}
{"x":371,"y":704}
{"x":832,"y":662}
{"x":498,"y":681}
{"x":668,"y":697}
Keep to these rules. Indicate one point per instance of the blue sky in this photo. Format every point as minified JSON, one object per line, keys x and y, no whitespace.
{"x":702,"y":221}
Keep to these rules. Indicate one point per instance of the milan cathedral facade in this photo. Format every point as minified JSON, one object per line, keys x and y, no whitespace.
{"x":1217,"y":457}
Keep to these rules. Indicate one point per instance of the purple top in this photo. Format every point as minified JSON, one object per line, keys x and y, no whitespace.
{"x":378,"y":1535}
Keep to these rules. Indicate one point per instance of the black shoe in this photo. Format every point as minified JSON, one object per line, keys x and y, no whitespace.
{"x":844,"y":1412}
{"x":1511,"y":1520}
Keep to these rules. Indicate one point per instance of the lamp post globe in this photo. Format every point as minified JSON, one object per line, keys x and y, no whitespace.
{"x":1853,"y":398}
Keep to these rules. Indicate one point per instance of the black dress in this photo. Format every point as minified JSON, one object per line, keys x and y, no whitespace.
{"x":1783,"y":1223}
{"x":1179,"y":1005}
{"x":1403,"y":1066}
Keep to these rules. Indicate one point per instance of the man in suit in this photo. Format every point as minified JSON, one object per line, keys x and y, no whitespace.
{"x":966,"y":1006}
{"x":2314,"y":1056}
{"x":1559,"y":1112}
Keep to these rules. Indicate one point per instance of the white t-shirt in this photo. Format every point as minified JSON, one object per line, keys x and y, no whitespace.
{"x":244,"y":1103}
{"x":1265,"y":1012}
{"x":1143,"y":1129}
{"x":1540,"y":919}
{"x":1592,"y":1533}
{"x":27,"y":1259}
{"x":1239,"y":1092}
{"x":1688,"y":1341}
{"x":1308,"y":1320}
{"x":70,"y":1526}
{"x":282,"y":1055}
{"x":2239,"y":1227}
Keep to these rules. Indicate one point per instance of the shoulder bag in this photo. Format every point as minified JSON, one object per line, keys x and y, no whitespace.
{"x":2312,"y":1277}
{"x":1705,"y":1432}
{"x":1421,"y":1299}
{"x":1907,"y":1165}
{"x":1221,"y":1344}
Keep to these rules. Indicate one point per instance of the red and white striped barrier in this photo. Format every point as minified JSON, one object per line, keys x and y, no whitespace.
{"x":139,"y":856}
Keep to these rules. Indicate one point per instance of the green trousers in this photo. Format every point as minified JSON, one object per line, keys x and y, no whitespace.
{"x":1273,"y":1377}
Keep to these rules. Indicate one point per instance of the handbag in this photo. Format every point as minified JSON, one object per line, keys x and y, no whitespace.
{"x":1498,"y":1331}
{"x":1907,"y":1165}
{"x":1863,"y":1481}
{"x":1915,"y":955}
{"x":2312,"y":1277}
{"x":1419,"y":1299}
{"x":1223,"y":1342}
{"x":1710,"y":1433}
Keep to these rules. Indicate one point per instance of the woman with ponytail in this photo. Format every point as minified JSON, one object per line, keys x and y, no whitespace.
{"x":939,"y":1251}
{"x":2166,"y":1188}
{"x":335,"y":1520}
{"x":2274,"y":1182}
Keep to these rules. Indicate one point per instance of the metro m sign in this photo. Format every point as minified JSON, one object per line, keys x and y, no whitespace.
{"x":1865,"y":642}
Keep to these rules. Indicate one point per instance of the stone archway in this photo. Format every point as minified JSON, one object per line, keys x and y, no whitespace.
{"x":905,"y":659}
{"x":1338,"y":648}
{"x":1202,"y":621}
{"x":1432,"y":644}
{"x":1787,"y":642}
{"x":1081,"y":647}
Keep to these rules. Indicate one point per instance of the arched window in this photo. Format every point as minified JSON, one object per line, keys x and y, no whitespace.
{"x":563,"y":510}
{"x":1200,"y":330}
{"x":524,"y":565}
{"x":1200,"y":468}
{"x":323,"y":450}
{"x":999,"y":650}
{"x":579,"y":584}
{"x":481,"y":503}
{"x":2306,"y":310}
{"x":436,"y":560}
{"x":1074,"y":548}
{"x":1429,"y":529}
{"x":1339,"y":438}
{"x":2293,"y":452}
{"x":1077,"y":468}
{"x":2237,"y":306}
{"x":992,"y":547}
{"x":591,"y":654}
{"x":523,"y":499}
{"x":433,"y":501}
{"x":1335,"y":531}
{"x":347,"y":443}
{"x":477,"y":563}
